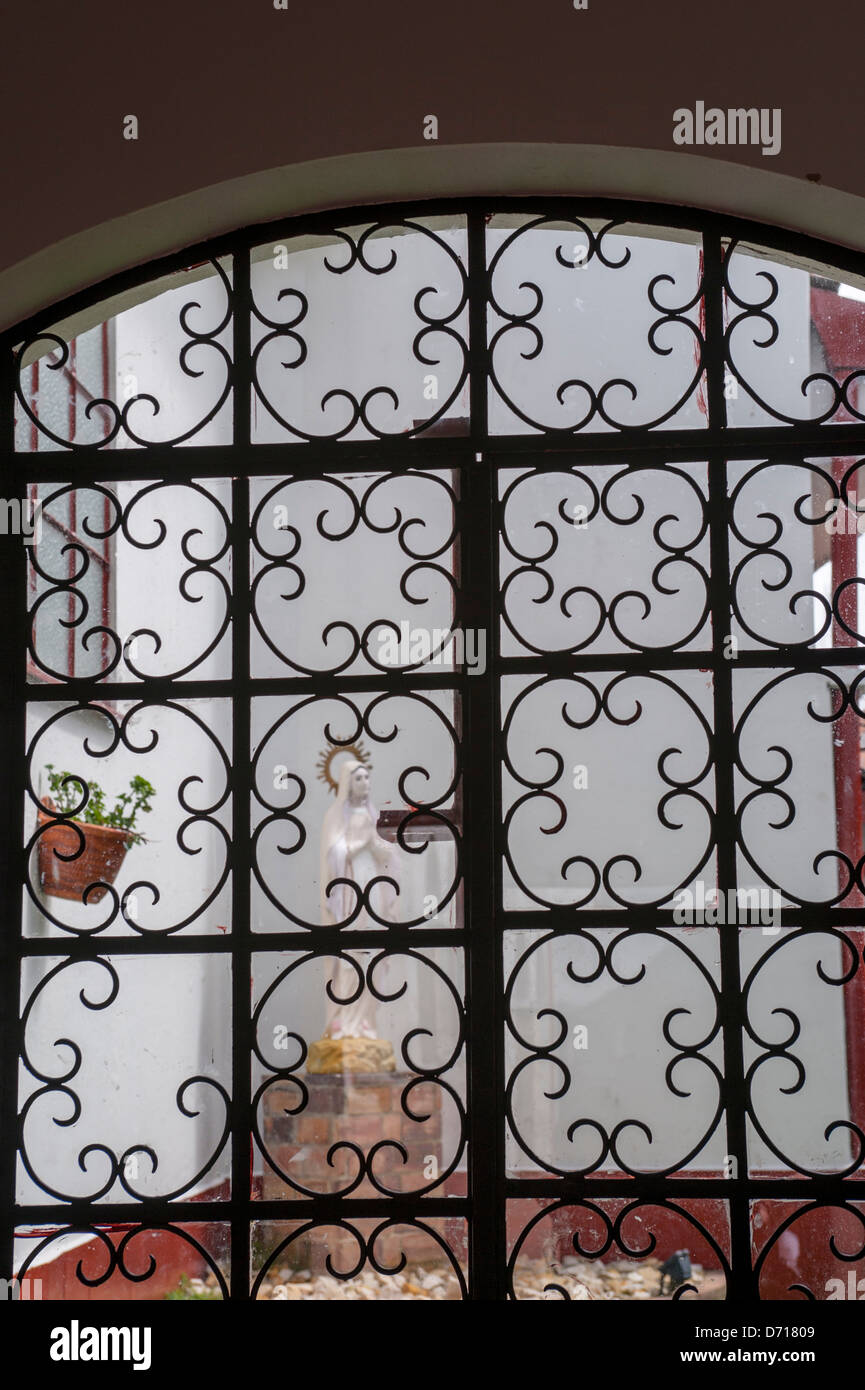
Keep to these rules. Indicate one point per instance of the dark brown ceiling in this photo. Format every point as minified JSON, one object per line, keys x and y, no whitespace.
{"x":224,"y":88}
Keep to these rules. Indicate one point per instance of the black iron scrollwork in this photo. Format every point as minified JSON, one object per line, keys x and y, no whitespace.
{"x":368,"y":409}
{"x":310,"y":642}
{"x":425,"y":788}
{"x":551,"y":1055}
{"x":621,"y":702}
{"x":127,"y":732}
{"x":65,"y":574}
{"x":55,"y":1094}
{"x":593,"y":402}
{"x":592,"y":1229}
{"x":385,"y":1164}
{"x":201,"y":344}
{"x":548,"y":544}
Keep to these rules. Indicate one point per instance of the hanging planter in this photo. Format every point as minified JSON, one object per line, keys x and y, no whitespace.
{"x":99,"y":862}
{"x":107,"y":837}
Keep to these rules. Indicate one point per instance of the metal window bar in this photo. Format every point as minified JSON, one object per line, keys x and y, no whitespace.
{"x":477,"y":457}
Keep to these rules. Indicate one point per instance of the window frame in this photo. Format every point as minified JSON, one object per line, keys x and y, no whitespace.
{"x":489,"y":1188}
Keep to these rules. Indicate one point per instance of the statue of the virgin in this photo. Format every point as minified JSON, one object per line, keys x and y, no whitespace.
{"x":353,"y":853}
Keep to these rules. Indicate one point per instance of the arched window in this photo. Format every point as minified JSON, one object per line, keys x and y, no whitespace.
{"x":433,"y":834}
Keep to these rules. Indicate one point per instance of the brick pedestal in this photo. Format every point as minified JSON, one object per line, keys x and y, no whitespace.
{"x":362,"y":1108}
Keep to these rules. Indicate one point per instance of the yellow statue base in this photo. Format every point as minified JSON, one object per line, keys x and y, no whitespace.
{"x":331,"y":1055}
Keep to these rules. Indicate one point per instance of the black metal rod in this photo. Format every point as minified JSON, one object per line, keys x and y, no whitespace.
{"x":482,"y":462}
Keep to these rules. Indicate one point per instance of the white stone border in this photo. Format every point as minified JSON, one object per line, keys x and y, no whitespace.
{"x":658,"y":176}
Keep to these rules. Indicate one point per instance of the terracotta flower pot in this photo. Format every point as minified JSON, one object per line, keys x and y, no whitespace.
{"x":100,"y":860}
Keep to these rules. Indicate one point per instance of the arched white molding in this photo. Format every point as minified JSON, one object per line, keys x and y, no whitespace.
{"x":662,"y":176}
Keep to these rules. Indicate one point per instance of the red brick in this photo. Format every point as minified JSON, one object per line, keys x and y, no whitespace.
{"x":279,"y":1099}
{"x":391,"y":1127}
{"x":362,"y":1102}
{"x":278,"y":1120}
{"x":313,"y":1129}
{"x":312,"y":1164}
{"x":366,"y":1189}
{"x":272,"y":1187}
{"x":278,"y":1130}
{"x":388,"y":1249}
{"x":419,"y":1153}
{"x":388,"y":1168}
{"x":425,"y":1099}
{"x":326,"y":1094}
{"x":379,"y":1078}
{"x":369,"y":1100}
{"x":418,"y":1246}
{"x":281,"y":1154}
{"x":345,"y":1165}
{"x":363,"y":1130}
{"x":414,"y":1132}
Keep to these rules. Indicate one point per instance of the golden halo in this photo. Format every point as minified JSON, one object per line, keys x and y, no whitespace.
{"x":333,"y":750}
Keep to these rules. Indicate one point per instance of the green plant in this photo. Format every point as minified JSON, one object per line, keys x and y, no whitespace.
{"x":66,"y":788}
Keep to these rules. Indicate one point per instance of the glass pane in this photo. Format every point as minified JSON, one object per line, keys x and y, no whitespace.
{"x":805,"y":1001}
{"x":132,"y":580}
{"x":805,"y":1250}
{"x":797,"y":552}
{"x":796,"y":340}
{"x":353,"y":573}
{"x":607,"y":788}
{"x":357,"y":810}
{"x":798,"y":784}
{"x":360,"y":333}
{"x":157,"y":371}
{"x":362,"y":1260}
{"x":596,"y":557}
{"x":124,"y":1262}
{"x":127,"y":822}
{"x":125,"y":1076}
{"x":618,"y":1249}
{"x":593,"y":326}
{"x":614,"y":1051}
{"x":359,"y":1073}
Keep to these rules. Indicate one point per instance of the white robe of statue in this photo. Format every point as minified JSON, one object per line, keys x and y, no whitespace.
{"x":352,"y":849}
